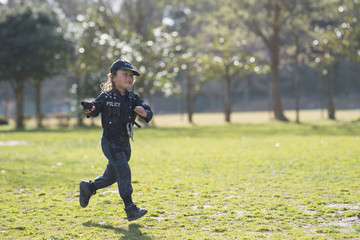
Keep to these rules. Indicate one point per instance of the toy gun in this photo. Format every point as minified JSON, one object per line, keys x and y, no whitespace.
{"x":87,"y":105}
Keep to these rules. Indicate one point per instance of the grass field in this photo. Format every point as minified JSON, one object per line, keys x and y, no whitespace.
{"x":240,"y":181}
{"x":214,"y":119}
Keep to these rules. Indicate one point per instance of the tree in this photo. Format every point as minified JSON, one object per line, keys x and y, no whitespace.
{"x":53,"y":54}
{"x":213,"y":46}
{"x":266,"y":18}
{"x":232,"y":57}
{"x":32,"y":48}
{"x":134,"y":34}
{"x":94,"y":52}
{"x":300,"y":28}
{"x":152,"y":46}
{"x":326,"y":64}
{"x":335,"y":38}
{"x":192,"y":73}
{"x":187,"y":18}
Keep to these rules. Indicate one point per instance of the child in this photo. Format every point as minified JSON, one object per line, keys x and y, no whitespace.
{"x":118,"y":107}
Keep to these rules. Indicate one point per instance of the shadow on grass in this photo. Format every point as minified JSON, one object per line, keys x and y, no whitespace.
{"x":133,"y":232}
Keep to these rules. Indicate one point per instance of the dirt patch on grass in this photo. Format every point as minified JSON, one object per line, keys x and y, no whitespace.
{"x":13,"y":143}
{"x":343,"y":206}
{"x":342,"y":225}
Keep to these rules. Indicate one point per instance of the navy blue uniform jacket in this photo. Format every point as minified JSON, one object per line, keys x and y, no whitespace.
{"x":117,"y":111}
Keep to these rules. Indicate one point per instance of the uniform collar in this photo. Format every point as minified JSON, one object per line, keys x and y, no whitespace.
{"x":115,"y":90}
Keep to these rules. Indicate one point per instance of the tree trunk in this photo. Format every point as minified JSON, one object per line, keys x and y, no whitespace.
{"x":38,"y":104}
{"x":329,"y":97}
{"x":190,"y":112}
{"x":189,"y":98}
{"x":322,"y":95}
{"x":275,"y":80}
{"x":6,"y":102}
{"x":331,"y":106}
{"x":228,"y":97}
{"x":333,"y":88}
{"x":276,"y":89}
{"x":272,"y":43}
{"x":80,"y":121}
{"x":296,"y":79}
{"x":330,"y":92}
{"x":275,"y":77}
{"x":18,"y":87}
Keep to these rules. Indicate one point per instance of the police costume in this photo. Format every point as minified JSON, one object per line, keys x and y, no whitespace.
{"x":117,"y":119}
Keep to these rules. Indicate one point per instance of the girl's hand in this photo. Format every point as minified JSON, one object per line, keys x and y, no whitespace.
{"x":141,"y":111}
{"x":88,"y":111}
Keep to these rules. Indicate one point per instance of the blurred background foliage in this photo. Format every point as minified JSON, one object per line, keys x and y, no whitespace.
{"x":192,"y":51}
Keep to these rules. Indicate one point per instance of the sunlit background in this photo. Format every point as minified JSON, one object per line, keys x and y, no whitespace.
{"x":194,"y":56}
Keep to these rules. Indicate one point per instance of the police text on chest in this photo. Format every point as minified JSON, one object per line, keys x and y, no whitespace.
{"x":113,"y":104}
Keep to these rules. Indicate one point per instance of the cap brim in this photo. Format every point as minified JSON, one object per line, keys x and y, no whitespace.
{"x":131,"y":69}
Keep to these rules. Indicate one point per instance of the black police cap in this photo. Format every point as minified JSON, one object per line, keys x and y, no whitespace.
{"x":122,"y":64}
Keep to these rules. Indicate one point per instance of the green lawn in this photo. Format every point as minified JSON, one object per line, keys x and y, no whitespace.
{"x":261,"y":181}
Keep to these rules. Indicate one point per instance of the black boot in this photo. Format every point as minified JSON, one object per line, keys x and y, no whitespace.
{"x":133,"y":212}
{"x":87,"y":189}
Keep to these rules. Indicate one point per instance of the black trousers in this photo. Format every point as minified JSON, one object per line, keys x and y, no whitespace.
{"x":117,"y":169}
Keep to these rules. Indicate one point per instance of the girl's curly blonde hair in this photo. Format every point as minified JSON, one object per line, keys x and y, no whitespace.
{"x":108,"y":85}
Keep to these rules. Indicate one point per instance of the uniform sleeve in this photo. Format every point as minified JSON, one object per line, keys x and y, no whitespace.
{"x":149,"y":113}
{"x":99,"y":104}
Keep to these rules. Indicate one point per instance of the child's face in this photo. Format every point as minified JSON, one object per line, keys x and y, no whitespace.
{"x":124,"y":79}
